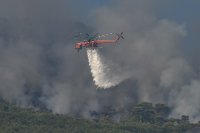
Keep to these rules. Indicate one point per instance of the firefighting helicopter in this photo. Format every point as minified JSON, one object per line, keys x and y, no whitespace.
{"x":93,"y":41}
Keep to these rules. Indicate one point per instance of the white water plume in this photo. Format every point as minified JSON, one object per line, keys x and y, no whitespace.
{"x":104,"y":73}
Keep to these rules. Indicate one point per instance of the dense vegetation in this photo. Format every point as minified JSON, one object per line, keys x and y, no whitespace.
{"x":142,"y":118}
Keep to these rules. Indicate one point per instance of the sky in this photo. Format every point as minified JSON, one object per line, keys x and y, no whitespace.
{"x":182,"y":11}
{"x":39,"y":66}
{"x":186,"y":12}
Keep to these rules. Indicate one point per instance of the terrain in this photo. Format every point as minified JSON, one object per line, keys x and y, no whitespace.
{"x":142,"y":118}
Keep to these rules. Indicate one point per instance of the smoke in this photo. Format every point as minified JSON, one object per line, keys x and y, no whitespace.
{"x":194,"y":131}
{"x":104,"y":72}
{"x":153,"y":52}
{"x":39,"y":66}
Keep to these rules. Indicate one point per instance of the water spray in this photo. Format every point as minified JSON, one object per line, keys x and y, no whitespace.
{"x":103,"y":71}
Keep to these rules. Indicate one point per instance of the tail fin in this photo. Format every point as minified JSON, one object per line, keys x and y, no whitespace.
{"x":120,"y":35}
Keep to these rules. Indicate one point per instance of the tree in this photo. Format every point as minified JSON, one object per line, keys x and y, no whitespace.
{"x":162,"y":110}
{"x":144,"y":112}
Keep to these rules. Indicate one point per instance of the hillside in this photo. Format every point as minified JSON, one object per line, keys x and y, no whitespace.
{"x":144,"y":119}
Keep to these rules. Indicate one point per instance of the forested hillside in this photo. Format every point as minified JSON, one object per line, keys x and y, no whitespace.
{"x":142,"y":118}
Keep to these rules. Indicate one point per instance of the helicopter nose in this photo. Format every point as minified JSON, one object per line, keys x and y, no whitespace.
{"x":77,"y":46}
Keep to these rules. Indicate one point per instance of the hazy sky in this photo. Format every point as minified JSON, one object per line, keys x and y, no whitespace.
{"x":182,"y":11}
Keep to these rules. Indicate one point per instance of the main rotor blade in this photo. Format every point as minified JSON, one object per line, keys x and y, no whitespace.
{"x":104,"y":35}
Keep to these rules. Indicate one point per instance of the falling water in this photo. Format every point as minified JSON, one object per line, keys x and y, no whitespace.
{"x":103,"y":71}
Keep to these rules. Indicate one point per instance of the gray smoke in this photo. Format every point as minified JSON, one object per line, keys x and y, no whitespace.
{"x":38,"y":63}
{"x":153,"y":54}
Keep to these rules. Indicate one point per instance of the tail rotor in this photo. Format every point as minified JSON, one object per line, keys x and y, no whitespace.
{"x":120,"y":35}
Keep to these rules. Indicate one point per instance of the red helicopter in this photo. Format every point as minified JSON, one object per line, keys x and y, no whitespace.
{"x":92,"y":41}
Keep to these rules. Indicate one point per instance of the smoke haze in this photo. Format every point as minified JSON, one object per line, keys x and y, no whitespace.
{"x":153,"y":55}
{"x":38,"y":63}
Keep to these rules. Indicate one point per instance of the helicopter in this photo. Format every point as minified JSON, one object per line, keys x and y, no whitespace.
{"x":92,"y":41}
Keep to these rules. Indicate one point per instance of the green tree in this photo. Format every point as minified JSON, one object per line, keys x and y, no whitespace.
{"x":144,"y":112}
{"x":162,"y":110}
